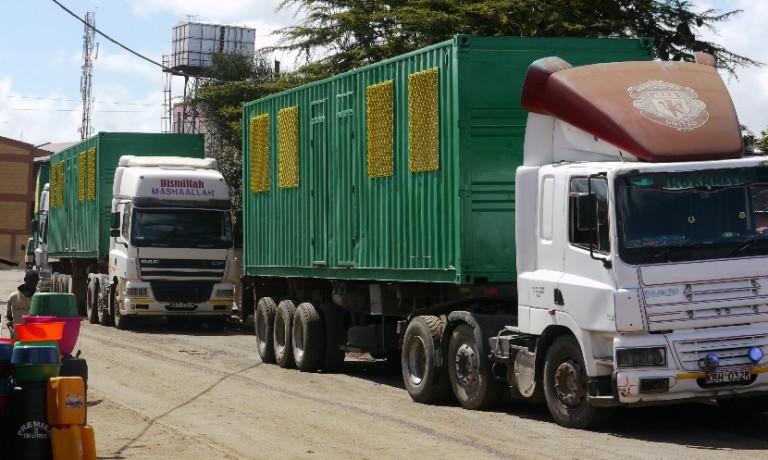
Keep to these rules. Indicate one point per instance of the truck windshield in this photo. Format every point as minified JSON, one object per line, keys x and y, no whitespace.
{"x":181,"y":228}
{"x":692,"y":215}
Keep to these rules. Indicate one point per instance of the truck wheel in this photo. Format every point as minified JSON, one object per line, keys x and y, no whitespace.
{"x":565,"y":386}
{"x":122,"y":322}
{"x":105,"y":319}
{"x":425,"y":382}
{"x":307,"y":337}
{"x":474,"y":389}
{"x":264,"y":322}
{"x":283,"y":325}
{"x":216,"y":323}
{"x":92,"y":303}
{"x":333,"y":322}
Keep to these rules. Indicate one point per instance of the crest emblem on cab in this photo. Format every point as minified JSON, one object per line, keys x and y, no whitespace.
{"x":671,"y":105}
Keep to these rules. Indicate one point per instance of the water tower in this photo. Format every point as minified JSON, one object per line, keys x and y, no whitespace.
{"x":194,"y":44}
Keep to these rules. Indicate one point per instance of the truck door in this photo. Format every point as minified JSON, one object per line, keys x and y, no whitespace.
{"x":587,"y":284}
{"x":319,"y":184}
{"x":347,"y":209}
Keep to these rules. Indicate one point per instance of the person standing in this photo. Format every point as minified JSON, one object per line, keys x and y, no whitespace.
{"x":20,"y":301}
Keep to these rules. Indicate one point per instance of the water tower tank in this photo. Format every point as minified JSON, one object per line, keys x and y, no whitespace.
{"x":194,"y":43}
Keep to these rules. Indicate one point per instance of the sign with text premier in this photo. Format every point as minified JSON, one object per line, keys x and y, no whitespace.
{"x":182,"y":187}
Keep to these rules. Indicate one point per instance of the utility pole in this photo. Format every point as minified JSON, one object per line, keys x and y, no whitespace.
{"x":89,"y":43}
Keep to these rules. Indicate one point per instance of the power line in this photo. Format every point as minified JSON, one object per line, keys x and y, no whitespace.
{"x":116,"y":42}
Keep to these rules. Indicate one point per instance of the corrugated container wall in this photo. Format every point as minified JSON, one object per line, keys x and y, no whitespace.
{"x":402,"y":170}
{"x":81,"y":186}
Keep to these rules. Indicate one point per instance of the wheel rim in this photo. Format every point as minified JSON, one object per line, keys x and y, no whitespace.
{"x":467,"y":365}
{"x":569,"y":383}
{"x":416,"y":360}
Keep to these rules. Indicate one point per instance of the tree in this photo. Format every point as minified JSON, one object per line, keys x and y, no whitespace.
{"x":338,"y":35}
{"x":754,"y":143}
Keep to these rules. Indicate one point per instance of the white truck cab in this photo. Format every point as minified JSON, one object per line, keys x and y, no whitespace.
{"x":171,"y":244}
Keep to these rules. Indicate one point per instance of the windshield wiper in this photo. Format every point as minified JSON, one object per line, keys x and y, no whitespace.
{"x":668,"y":251}
{"x":753,"y":243}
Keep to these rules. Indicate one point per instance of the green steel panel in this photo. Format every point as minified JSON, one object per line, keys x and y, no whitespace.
{"x":454,"y":224}
{"x":81,"y":229}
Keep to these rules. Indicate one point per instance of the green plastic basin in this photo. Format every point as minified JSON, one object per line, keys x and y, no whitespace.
{"x":53,"y":304}
{"x":34,"y":372}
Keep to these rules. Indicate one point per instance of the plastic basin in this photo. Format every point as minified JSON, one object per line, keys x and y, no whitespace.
{"x":42,"y":330}
{"x":53,"y":304}
{"x":70,"y":331}
{"x":34,"y":354}
{"x":35,"y":372}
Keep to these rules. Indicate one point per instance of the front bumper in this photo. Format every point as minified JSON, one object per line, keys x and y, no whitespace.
{"x":220,"y":303}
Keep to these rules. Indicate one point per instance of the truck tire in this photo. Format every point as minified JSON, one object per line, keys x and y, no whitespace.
{"x":333,"y":323}
{"x":565,"y":386}
{"x":425,"y":382}
{"x":92,"y":302}
{"x":122,"y":321}
{"x":105,"y":317}
{"x":307,"y":337}
{"x":264,"y":323}
{"x":283,"y":326}
{"x":474,"y":389}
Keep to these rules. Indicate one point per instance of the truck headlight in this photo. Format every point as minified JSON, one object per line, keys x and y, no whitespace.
{"x":641,"y":357}
{"x":225,"y":293}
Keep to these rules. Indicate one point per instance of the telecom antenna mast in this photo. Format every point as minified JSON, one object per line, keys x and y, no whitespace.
{"x":89,"y":43}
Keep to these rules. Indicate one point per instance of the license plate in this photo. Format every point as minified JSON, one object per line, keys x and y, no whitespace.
{"x":729,"y":377}
{"x":181,"y":306}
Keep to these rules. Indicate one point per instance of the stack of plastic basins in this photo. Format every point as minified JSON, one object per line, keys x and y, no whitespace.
{"x":32,"y":365}
{"x":61,"y":307}
{"x":71,"y":437}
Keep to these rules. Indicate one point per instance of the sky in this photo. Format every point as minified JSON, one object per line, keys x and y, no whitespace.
{"x":41,"y":60}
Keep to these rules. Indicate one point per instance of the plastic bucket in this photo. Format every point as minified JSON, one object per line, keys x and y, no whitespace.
{"x":35,"y":354}
{"x":70,"y":331}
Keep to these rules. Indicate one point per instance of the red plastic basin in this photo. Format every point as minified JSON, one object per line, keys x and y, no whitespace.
{"x":37,"y":332}
{"x":70,"y":332}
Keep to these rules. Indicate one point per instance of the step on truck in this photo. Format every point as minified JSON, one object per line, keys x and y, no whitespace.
{"x":564,"y":220}
{"x":138,"y":225}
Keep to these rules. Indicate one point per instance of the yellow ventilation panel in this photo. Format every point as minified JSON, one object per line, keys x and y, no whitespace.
{"x":423,"y":121}
{"x":288,"y":147}
{"x":92,"y":174}
{"x":259,"y":143}
{"x":379,"y":105}
{"x":81,"y":176}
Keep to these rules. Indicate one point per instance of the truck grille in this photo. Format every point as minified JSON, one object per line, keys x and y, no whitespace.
{"x":181,"y":291}
{"x":181,"y":269}
{"x":732,"y":351}
{"x":696,"y":305}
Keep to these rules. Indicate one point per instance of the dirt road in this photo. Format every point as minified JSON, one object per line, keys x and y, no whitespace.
{"x":158,"y":393}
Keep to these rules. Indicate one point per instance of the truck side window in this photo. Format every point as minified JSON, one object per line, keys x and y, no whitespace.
{"x":126,"y":221}
{"x":583,"y":238}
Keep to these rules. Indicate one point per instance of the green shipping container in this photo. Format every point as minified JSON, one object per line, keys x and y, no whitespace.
{"x":81,"y":179}
{"x":402,"y":170}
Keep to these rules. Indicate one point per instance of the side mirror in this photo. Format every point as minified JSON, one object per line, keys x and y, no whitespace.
{"x":586,"y":211}
{"x":115,"y":223}
{"x":114,"y":232}
{"x":34,"y":225}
